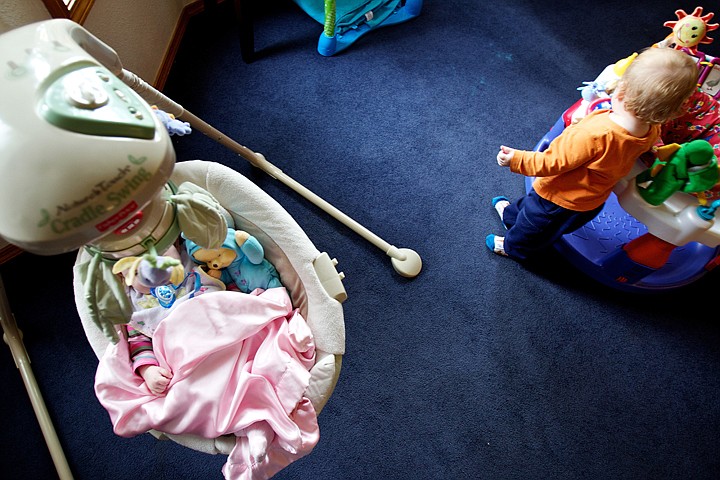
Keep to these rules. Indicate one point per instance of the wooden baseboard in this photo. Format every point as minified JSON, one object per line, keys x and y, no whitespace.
{"x":187,"y":13}
{"x":9,"y":252}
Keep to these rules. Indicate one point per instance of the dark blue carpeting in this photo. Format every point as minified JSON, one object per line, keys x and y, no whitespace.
{"x":479,"y":367}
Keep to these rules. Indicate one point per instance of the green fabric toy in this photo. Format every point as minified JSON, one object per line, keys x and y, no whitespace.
{"x":691,"y":167}
{"x":199,"y":217}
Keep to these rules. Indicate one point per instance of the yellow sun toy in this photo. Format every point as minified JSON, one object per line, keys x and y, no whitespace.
{"x":689,"y":30}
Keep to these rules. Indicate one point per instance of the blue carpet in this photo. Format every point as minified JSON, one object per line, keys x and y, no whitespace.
{"x":479,"y":367}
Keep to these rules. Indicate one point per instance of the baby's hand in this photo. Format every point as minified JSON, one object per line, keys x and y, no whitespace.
{"x":505,"y":155}
{"x":156,"y":378}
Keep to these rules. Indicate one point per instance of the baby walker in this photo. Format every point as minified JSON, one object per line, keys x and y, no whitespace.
{"x":652,"y":233}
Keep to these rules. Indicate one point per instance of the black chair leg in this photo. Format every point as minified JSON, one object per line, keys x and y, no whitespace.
{"x":244,"y":18}
{"x":244,"y":14}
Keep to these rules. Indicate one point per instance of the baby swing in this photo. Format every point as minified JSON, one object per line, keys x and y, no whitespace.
{"x":662,"y":236}
{"x":127,"y":202}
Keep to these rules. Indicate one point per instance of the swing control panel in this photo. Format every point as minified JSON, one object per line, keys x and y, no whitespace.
{"x":93,"y":101}
{"x":82,"y":153}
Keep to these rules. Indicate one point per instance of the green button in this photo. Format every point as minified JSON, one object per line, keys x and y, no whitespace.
{"x":93,"y":101}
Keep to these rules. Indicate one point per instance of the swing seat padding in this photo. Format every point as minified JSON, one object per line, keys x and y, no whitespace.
{"x":292,"y":253}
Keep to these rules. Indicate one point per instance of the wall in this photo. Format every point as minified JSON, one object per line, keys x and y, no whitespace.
{"x":15,"y":13}
{"x":140,"y":31}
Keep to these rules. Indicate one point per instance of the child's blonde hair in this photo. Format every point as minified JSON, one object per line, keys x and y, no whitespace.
{"x":657,"y":83}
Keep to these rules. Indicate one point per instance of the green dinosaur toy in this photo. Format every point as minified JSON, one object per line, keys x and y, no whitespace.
{"x":691,"y":167}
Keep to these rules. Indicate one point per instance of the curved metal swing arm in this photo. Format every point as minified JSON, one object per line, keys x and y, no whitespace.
{"x":405,"y":261}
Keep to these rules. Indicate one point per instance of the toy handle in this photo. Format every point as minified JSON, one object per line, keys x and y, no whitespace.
{"x":593,"y":105}
{"x":95,"y":47}
{"x":707,"y":212}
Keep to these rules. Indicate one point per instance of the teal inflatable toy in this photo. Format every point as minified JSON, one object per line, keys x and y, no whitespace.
{"x":346,"y":21}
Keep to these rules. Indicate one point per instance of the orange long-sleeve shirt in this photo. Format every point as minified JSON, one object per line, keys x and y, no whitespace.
{"x":582,"y":165}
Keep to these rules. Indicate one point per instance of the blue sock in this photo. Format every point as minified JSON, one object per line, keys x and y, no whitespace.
{"x":500,"y":198}
{"x":496,"y":244}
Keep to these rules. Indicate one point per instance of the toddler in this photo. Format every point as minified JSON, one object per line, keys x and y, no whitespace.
{"x":577,"y":172}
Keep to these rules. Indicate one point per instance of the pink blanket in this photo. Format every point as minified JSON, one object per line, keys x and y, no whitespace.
{"x":236,"y":359}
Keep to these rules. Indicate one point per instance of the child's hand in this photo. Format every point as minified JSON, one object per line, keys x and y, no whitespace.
{"x":156,"y":378}
{"x":505,"y":155}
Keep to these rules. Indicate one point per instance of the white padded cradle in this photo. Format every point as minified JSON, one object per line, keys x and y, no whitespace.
{"x":288,"y":248}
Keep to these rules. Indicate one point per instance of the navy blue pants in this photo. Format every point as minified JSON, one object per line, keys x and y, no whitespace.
{"x":534,"y":224}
